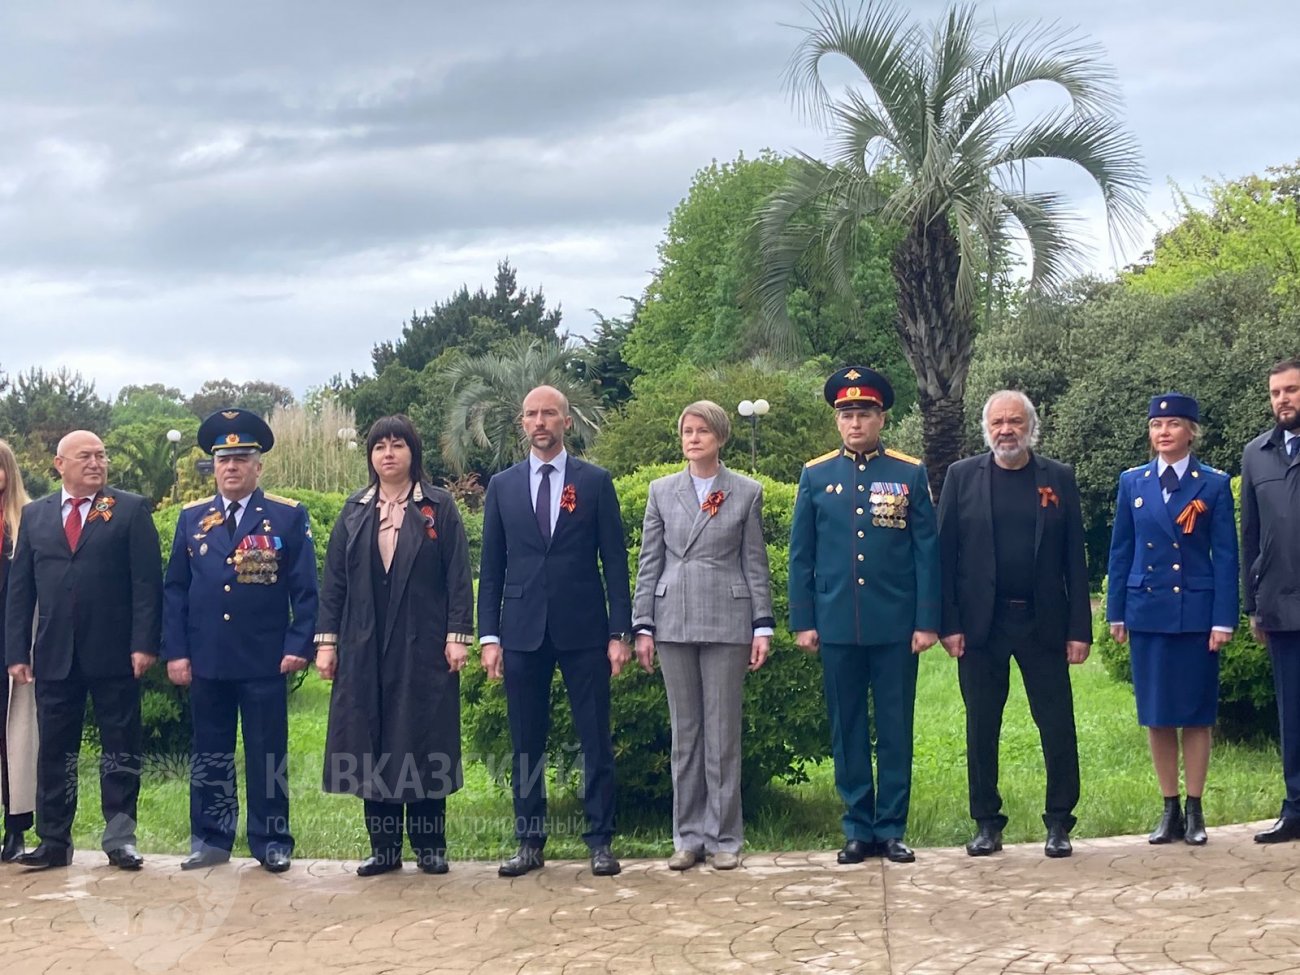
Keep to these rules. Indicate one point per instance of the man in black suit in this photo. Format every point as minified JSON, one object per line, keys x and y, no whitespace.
{"x":546,"y":520}
{"x":88,"y":556}
{"x":1015,"y":584}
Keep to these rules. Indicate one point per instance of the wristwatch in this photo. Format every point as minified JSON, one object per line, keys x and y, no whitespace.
{"x":625,"y":637}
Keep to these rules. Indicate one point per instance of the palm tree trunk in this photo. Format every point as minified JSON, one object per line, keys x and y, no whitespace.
{"x":935,"y":325}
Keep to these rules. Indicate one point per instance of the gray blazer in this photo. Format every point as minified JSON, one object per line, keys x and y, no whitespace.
{"x":1270,"y":532}
{"x":703,"y":578}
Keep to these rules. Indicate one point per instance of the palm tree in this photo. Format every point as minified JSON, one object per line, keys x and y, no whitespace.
{"x":938,"y":118}
{"x":486,"y":394}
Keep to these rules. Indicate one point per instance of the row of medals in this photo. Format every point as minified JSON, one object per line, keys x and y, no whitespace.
{"x":257,"y":565}
{"x":889,"y":510}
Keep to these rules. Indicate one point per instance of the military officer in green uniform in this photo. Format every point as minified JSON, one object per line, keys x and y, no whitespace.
{"x":864,"y":590}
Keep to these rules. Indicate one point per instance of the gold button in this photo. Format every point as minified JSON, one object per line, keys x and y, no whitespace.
{"x":862,"y":582}
{"x":1151,"y":568}
{"x":227,"y":587}
{"x":1148,"y":588}
{"x":861,"y":533}
{"x":861,"y":556}
{"x":230,"y":561}
{"x":226,"y":617}
{"x":1176,"y":589}
{"x":1177,"y":566}
{"x":859,"y":511}
{"x":861,"y":487}
{"x":862,"y":467}
{"x":1151,"y":545}
{"x":1175,"y":544}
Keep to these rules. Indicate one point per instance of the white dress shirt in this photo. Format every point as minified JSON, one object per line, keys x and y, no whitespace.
{"x":67,"y":505}
{"x":1179,"y":466}
{"x":243,"y":507}
{"x":559,"y":462}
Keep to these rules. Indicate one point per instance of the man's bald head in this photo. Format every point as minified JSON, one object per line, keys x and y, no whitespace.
{"x":82,"y":463}
{"x":544,"y":420}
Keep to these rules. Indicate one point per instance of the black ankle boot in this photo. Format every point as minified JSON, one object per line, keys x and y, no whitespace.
{"x":12,"y":845}
{"x":1195,"y":822}
{"x":1172,"y":826}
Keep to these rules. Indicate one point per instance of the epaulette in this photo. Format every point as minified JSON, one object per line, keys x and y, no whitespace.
{"x":202,"y":501}
{"x":826,"y":456}
{"x":1132,"y":469}
{"x":899,"y":455}
{"x":280,"y":499}
{"x":1212,"y":470}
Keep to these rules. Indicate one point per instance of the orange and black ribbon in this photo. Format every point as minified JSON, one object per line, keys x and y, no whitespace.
{"x":1186,"y":520}
{"x":1046,"y":495}
{"x":430,"y":529}
{"x":568,"y":498}
{"x":713,"y":502}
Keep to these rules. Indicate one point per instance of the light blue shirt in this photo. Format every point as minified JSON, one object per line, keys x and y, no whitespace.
{"x":1179,"y":466}
{"x":559,"y":462}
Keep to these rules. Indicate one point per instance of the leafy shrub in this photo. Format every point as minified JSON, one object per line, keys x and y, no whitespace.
{"x":785,"y":724}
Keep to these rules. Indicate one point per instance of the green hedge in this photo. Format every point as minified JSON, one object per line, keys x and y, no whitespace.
{"x":785,"y":716}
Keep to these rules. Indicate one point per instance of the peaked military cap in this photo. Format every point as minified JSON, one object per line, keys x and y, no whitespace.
{"x":235,"y":431}
{"x":854,"y":387}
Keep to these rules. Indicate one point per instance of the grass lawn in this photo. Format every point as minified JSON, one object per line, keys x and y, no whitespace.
{"x":1119,"y":789}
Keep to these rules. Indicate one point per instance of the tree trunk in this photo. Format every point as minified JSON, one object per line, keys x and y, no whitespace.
{"x":936,"y":329}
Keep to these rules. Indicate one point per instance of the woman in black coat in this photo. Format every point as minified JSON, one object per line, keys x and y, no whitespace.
{"x":396,"y":615}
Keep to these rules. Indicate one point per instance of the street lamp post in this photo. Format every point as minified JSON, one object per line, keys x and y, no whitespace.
{"x":752,"y":410}
{"x":174,"y":438}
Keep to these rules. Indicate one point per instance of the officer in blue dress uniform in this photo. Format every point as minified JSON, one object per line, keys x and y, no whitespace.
{"x":1172,"y":594}
{"x":864,"y":589}
{"x":239,"y":612}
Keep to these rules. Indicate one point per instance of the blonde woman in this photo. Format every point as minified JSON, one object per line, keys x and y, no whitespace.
{"x":18,"y":716}
{"x":703,"y":601}
{"x":1172,"y":594}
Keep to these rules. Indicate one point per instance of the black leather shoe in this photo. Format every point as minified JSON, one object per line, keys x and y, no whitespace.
{"x":434,"y":863}
{"x":526,"y":858}
{"x":373,"y":866}
{"x":855,"y":851}
{"x":1172,"y":825}
{"x":1283,"y":831}
{"x":207,"y":857}
{"x":985,"y":842}
{"x":45,"y":856}
{"x":604,"y":863}
{"x":126,"y":857}
{"x":1195,"y":833}
{"x":896,"y":851}
{"x":277,"y":861}
{"x":12,"y":847}
{"x":1058,"y":842}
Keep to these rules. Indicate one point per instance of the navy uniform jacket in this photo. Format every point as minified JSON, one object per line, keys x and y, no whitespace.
{"x":234,"y":614}
{"x":864,"y":549}
{"x":1163,"y":578}
{"x":527,"y":590}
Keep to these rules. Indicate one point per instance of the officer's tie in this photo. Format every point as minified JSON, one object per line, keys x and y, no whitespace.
{"x":1293,"y":447}
{"x":1169,"y":479}
{"x":231,"y":524}
{"x":543,"y":509}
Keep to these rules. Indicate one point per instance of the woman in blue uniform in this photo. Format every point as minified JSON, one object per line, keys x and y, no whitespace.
{"x":1172,"y":592}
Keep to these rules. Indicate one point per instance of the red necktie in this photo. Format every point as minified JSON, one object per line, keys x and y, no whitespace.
{"x":72,"y":527}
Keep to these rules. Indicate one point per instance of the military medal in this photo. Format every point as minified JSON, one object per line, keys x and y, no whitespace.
{"x":257,"y":559}
{"x":203,"y":549}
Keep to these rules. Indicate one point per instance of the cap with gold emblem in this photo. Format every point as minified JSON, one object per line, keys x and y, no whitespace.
{"x":857,"y":386}
{"x":235,"y":431}
{"x":1174,"y":404}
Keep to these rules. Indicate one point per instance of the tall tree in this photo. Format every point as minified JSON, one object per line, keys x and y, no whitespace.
{"x":938,"y":113}
{"x":42,"y":406}
{"x":486,"y":396}
{"x":257,"y":395}
{"x":602,"y":360}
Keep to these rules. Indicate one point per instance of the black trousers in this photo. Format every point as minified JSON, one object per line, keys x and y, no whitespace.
{"x":425,"y":823}
{"x":60,"y":710}
{"x":528,"y":703}
{"x":984,"y":673}
{"x":1284,"y":650}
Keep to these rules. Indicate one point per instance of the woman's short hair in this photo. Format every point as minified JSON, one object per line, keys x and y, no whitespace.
{"x":396,"y":427}
{"x":714,"y":417}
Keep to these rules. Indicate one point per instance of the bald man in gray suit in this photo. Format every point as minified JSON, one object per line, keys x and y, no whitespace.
{"x":703,"y":600}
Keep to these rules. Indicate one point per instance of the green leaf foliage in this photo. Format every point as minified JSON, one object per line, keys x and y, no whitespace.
{"x":785,"y":725}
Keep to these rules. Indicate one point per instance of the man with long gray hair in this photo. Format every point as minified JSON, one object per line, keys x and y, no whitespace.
{"x":1015,"y":584}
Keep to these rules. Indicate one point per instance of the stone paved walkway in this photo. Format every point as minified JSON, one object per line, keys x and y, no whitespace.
{"x":1118,"y":906}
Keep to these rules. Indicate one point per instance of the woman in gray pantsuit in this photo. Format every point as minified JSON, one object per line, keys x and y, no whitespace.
{"x":703,"y":600}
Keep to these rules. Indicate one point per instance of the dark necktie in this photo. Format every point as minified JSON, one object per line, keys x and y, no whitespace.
{"x":543,"y":509}
{"x":1169,"y":479}
{"x":1293,"y":447}
{"x":72,"y":527}
{"x":231,"y":524}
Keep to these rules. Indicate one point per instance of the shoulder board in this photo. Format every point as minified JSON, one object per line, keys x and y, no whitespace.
{"x":199,"y":503}
{"x":899,"y":455}
{"x":1213,"y":470}
{"x":824,"y":457}
{"x":1132,"y":469}
{"x":280,"y":499}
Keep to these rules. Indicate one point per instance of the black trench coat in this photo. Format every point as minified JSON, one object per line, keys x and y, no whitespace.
{"x":394,"y":723}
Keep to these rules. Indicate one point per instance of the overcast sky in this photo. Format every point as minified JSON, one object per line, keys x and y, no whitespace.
{"x":263,"y":190}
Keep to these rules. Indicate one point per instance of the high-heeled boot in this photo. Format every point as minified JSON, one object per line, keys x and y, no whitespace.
{"x":1195,"y":834}
{"x":12,"y":846}
{"x":1172,"y":825}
